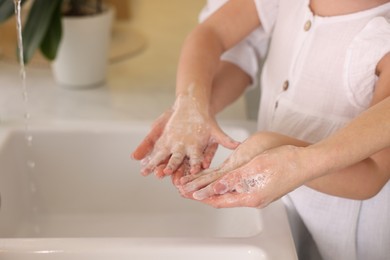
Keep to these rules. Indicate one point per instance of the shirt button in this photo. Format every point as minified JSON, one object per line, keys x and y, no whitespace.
{"x":307,"y":25}
{"x":285,"y":85}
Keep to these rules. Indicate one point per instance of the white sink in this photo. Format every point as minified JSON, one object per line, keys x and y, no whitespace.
{"x":76,"y":194}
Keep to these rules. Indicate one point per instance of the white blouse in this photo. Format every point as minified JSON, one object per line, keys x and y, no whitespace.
{"x":249,"y":52}
{"x":320,"y":74}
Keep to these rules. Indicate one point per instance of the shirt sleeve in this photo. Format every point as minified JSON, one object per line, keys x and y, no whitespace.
{"x":268,"y":12}
{"x":363,"y":55}
{"x":247,"y":54}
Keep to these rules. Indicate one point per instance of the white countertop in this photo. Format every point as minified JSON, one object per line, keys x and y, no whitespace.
{"x":138,"y":88}
{"x":117,"y":99}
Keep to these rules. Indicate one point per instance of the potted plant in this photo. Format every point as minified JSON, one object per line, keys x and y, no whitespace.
{"x":74,"y":34}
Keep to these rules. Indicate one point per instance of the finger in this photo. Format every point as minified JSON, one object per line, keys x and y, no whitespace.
{"x":228,"y":200}
{"x":203,"y":179}
{"x":154,"y":160}
{"x":145,"y":147}
{"x":222,"y":138}
{"x":176,"y":159}
{"x":216,"y":188}
{"x":209,"y":154}
{"x":196,"y":158}
{"x":204,"y":193}
{"x":226,"y":183}
{"x":177,"y":175}
{"x":158,"y":157}
{"x":159,"y":171}
{"x":190,"y":177}
{"x":176,"y":181}
{"x":145,"y":170}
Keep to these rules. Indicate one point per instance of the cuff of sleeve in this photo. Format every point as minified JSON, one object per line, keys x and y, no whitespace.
{"x":245,"y":58}
{"x":267,"y":11}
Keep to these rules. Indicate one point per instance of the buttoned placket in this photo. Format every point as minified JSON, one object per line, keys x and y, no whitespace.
{"x":302,"y":40}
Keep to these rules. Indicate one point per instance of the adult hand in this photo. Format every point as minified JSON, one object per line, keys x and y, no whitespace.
{"x":236,"y":170}
{"x":264,"y":179}
{"x":188,"y":133}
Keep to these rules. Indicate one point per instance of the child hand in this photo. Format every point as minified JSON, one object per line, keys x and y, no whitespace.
{"x":147,"y":144}
{"x":251,"y":147}
{"x":188,"y":133}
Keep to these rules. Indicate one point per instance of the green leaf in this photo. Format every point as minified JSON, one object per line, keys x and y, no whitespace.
{"x":38,"y":22}
{"x":7,"y":9}
{"x":52,"y":39}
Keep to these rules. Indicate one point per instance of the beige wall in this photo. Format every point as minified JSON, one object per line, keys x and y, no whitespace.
{"x":123,"y":8}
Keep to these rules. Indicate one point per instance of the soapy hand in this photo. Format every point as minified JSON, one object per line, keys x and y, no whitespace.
{"x":246,"y":178}
{"x":147,"y":144}
{"x":251,"y":147}
{"x":264,"y":179}
{"x":185,"y":132}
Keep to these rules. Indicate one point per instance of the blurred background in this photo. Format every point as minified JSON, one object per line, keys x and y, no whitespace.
{"x":146,"y":42}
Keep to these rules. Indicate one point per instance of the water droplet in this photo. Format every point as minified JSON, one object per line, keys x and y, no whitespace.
{"x":37,"y":229}
{"x":33,"y":188}
{"x":27,"y":116}
{"x":25,"y":96}
{"x":31,"y":164}
{"x":29,"y":139}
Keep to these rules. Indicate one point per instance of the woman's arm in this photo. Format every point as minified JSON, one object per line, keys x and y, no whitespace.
{"x":365,"y":139}
{"x":353,"y":163}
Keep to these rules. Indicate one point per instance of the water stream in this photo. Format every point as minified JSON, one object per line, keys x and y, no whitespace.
{"x":27,"y":116}
{"x":22,"y":71}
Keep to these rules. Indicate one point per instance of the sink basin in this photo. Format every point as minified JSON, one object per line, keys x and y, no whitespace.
{"x":74,"y":193}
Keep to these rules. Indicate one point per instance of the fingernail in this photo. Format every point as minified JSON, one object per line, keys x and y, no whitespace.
{"x":220,"y":188}
{"x":200,"y":195}
{"x":168,"y":171}
{"x":195,"y":170}
{"x":176,"y":182}
{"x":183,"y":180}
{"x":144,"y":172}
{"x":189,"y":187}
{"x":145,"y":161}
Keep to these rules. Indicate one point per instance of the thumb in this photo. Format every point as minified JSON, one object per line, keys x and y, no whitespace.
{"x":144,"y":148}
{"x":223,"y":139}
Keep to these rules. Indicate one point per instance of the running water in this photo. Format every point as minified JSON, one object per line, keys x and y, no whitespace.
{"x":22,"y":74}
{"x":27,"y":131}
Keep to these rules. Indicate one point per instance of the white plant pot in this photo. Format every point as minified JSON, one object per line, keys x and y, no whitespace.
{"x":82,"y":56}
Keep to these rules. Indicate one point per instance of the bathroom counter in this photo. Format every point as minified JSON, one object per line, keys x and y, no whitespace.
{"x":119,"y":99}
{"x":137,"y":89}
{"x":140,"y":86}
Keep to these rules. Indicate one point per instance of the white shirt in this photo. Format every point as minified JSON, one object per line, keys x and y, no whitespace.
{"x":319,"y":75}
{"x":249,"y":52}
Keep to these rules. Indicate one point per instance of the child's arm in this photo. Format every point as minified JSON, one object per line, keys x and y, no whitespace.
{"x":205,"y":44}
{"x":192,"y":126}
